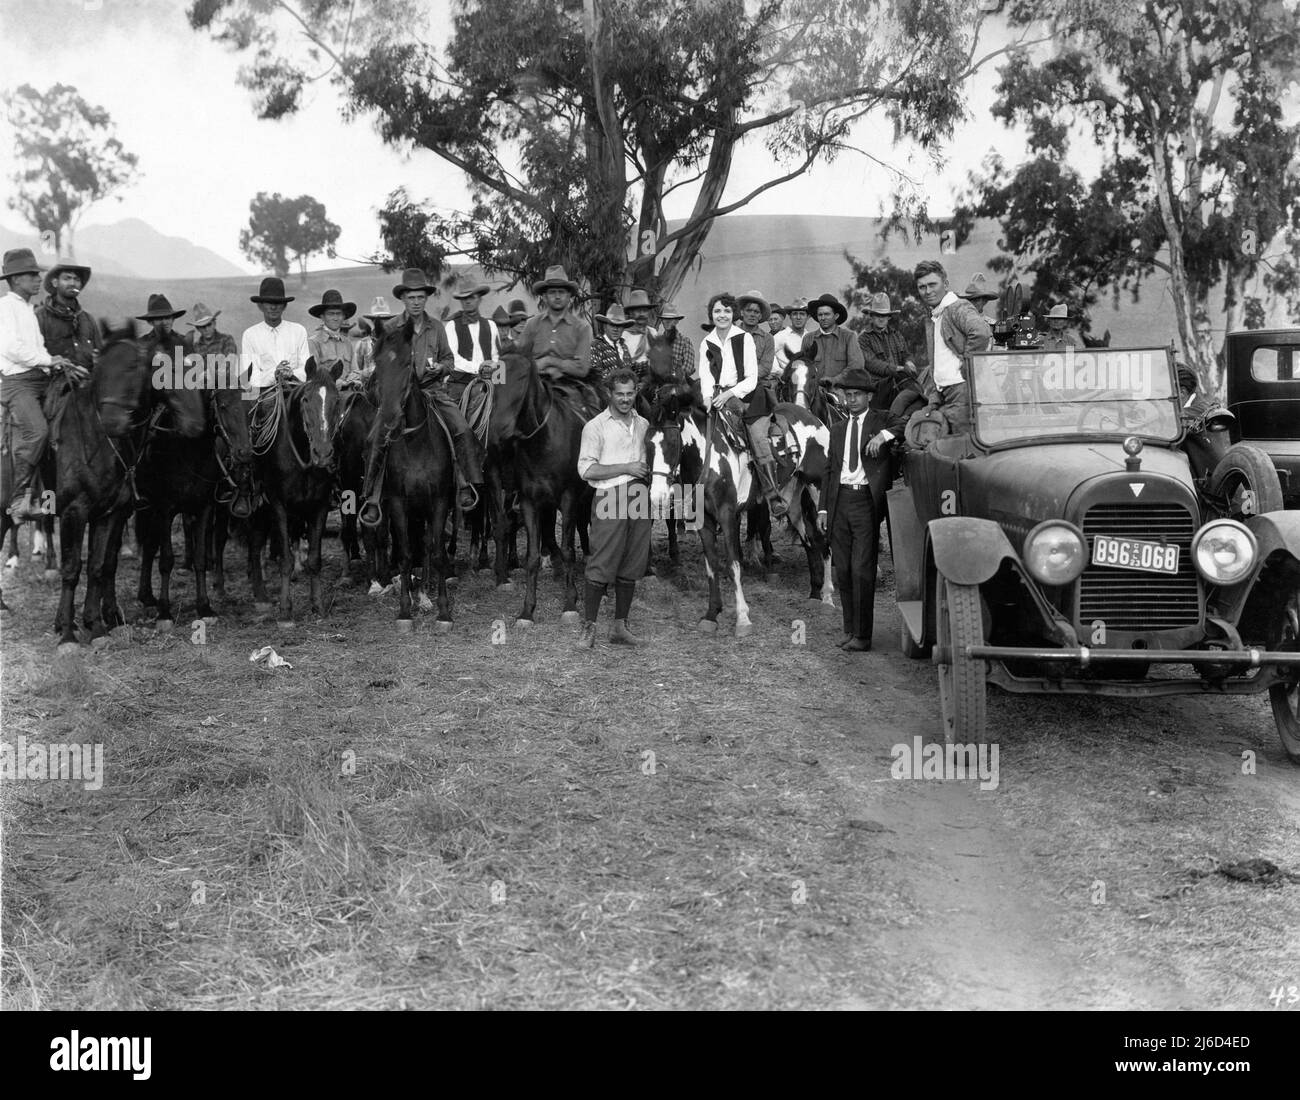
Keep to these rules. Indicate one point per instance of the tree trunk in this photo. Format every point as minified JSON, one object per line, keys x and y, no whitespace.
{"x":1179,"y":288}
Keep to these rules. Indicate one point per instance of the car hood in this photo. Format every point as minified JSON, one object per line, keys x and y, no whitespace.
{"x":1023,"y":486}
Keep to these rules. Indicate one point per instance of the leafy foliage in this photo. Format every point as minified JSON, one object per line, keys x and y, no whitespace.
{"x":884,"y":275}
{"x":67,"y":157}
{"x":1199,"y":180}
{"x":280,"y":230}
{"x":573,"y":120}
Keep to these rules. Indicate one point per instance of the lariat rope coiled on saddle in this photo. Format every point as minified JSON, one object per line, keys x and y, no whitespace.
{"x":268,"y":414}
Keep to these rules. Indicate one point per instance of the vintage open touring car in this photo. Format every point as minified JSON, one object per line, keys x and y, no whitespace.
{"x":1088,"y":535}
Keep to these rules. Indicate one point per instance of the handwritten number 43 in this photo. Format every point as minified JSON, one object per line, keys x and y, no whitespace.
{"x":1290,"y":994}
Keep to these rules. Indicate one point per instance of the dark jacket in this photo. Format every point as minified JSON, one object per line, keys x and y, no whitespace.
{"x":879,"y":470}
{"x":883,"y":356}
{"x":73,"y":334}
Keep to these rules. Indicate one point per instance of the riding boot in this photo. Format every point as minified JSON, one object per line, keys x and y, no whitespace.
{"x":469,"y":469}
{"x":20,"y":506}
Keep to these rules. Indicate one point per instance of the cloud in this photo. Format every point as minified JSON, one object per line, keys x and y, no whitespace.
{"x":54,"y":27}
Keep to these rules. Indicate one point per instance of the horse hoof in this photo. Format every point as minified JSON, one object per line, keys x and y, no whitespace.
{"x":285,"y":624}
{"x":404,"y":626}
{"x":507,"y":587}
{"x":11,"y":563}
{"x":744,"y":630}
{"x":442,"y":626}
{"x":707,"y":626}
{"x":375,"y":589}
{"x":51,"y":575}
{"x":121,"y":634}
{"x":570,"y":618}
{"x":164,"y":626}
{"x":523,"y":624}
{"x":68,"y":649}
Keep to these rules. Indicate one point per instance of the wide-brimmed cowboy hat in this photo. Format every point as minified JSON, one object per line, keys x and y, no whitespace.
{"x":1059,"y":312}
{"x":615,"y":316}
{"x":855,"y":378}
{"x":272,"y":291}
{"x":556,"y":279}
{"x":20,"y":261}
{"x":776,"y":307}
{"x":757,"y":298}
{"x":637,"y":299}
{"x":518,"y":311}
{"x":799,"y":303}
{"x":879,"y":304}
{"x":379,"y":310}
{"x":159,"y":310}
{"x":468,"y":288}
{"x":977,"y":290}
{"x":202,"y":315}
{"x":828,"y":299}
{"x":332,"y":299}
{"x":669,"y":312}
{"x":80,"y":270}
{"x":501,"y":317}
{"x":413,"y":278}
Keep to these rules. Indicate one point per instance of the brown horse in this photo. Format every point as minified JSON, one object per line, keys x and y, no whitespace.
{"x":294,"y":449}
{"x":103,"y":434}
{"x":534,"y":433}
{"x":410,"y":472}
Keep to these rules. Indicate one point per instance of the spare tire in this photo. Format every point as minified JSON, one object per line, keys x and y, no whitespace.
{"x":1244,"y":483}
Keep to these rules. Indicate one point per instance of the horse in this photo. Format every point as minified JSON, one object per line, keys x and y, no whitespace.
{"x":806,"y":391}
{"x":101,"y":435}
{"x":535,"y":432}
{"x":293,"y":448}
{"x":193,"y":478}
{"x":356,"y":420}
{"x":697,"y":453}
{"x":410,"y":475}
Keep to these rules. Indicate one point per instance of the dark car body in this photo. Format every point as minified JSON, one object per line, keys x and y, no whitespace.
{"x":1263,"y":393}
{"x":1051,"y":465}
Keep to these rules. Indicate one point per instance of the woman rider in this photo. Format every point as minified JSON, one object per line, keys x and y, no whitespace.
{"x":728,"y":369}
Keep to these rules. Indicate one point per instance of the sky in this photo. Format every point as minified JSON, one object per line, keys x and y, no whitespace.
{"x":175,"y":101}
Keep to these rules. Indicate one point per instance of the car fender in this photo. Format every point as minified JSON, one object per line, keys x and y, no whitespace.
{"x":1276,"y":572}
{"x":1275,"y":531}
{"x":967,"y":550}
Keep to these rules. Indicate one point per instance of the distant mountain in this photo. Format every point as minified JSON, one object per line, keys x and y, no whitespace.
{"x":151,"y":255}
{"x":134,"y":249}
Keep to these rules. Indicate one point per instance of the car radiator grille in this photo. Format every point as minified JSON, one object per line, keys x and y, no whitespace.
{"x":1126,"y":599}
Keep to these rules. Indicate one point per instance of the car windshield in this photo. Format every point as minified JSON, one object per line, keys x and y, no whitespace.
{"x":1026,"y":395}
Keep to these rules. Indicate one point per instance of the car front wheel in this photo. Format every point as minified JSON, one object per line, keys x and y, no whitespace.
{"x":1245,"y":483}
{"x":1286,"y":697}
{"x":962,"y":690}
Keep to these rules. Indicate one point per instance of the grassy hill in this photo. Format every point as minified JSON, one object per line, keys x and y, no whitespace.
{"x":783,"y":256}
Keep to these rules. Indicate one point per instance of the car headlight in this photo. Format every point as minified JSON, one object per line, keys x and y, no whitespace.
{"x":1055,"y":552}
{"x":1224,"y":551}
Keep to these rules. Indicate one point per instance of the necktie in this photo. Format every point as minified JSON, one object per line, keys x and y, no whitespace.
{"x":853,"y":447}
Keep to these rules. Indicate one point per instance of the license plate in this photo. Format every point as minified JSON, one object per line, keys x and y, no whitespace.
{"x":1148,"y":557}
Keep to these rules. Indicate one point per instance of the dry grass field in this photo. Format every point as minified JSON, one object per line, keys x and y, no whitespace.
{"x":422,"y":821}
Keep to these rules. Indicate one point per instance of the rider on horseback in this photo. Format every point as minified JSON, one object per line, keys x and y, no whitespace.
{"x":25,"y":367}
{"x":558,"y":341}
{"x":728,"y":369}
{"x":432,"y":360}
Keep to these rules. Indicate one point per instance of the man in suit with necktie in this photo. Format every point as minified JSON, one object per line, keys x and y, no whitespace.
{"x":858,"y":474}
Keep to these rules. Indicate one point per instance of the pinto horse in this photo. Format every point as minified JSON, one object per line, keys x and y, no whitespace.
{"x":293,"y":447}
{"x":696,"y":452}
{"x":806,"y":390}
{"x":535,"y":432}
{"x":410,"y":469}
{"x":192,"y":478}
{"x":101,"y":436}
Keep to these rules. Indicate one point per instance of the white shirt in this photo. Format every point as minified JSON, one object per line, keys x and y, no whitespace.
{"x":21,"y":346}
{"x":609,"y":441}
{"x":858,"y":476}
{"x":475,"y":360}
{"x":263,"y":348}
{"x":730,"y":377}
{"x":947,"y":367}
